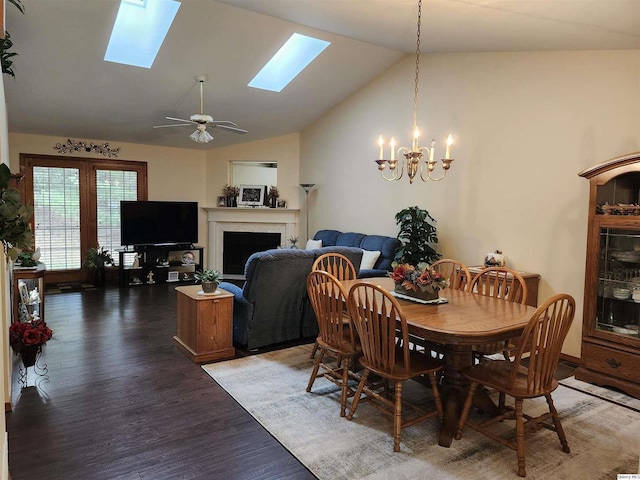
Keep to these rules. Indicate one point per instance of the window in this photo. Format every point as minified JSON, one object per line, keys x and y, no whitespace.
{"x":77,"y":206}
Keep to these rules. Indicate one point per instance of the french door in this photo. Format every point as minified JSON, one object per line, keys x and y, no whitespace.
{"x":77,"y":206}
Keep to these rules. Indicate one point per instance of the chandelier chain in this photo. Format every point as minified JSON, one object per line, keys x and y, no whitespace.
{"x":415,"y":94}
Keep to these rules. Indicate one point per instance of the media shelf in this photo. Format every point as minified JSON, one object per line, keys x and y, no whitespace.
{"x":152,"y":264}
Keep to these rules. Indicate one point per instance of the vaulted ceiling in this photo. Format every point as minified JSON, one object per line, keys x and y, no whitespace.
{"x":64,"y":88}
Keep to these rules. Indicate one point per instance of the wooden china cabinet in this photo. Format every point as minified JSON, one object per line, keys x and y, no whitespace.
{"x":611,"y":322}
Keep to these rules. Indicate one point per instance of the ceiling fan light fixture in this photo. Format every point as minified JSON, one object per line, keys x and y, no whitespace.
{"x":201,"y":118}
{"x":201,"y":135}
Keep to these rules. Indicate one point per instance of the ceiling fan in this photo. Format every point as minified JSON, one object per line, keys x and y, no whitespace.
{"x":202,"y":120}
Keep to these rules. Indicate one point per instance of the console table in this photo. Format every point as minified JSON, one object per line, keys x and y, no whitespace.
{"x":531,"y":279}
{"x":205,"y":324}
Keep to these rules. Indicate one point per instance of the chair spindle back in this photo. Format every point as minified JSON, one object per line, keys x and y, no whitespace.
{"x":377,"y":316}
{"x":543,"y":338}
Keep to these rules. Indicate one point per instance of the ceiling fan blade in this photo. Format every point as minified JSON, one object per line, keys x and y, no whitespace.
{"x":179,"y":119}
{"x":222,"y":122}
{"x":241,"y":131}
{"x":173,"y":125}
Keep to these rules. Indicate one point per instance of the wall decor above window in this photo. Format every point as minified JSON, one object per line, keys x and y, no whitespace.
{"x":81,"y":147}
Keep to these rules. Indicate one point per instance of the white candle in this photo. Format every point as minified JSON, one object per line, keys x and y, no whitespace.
{"x":447,"y":153}
{"x":416,"y":135}
{"x":381,"y":145}
{"x":393,"y":148}
{"x":433,"y":147}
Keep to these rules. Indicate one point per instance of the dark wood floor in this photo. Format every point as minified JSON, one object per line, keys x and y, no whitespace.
{"x":122,"y":402}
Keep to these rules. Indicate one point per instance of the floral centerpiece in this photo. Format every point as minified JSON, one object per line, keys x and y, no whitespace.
{"x":421,"y":281}
{"x":27,"y":338}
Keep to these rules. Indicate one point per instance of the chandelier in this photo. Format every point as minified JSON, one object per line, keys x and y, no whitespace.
{"x":413,"y":161}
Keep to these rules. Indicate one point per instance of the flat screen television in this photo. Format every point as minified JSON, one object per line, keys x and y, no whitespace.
{"x":152,"y":223}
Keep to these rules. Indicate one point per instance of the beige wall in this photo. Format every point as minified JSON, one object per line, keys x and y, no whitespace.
{"x":285,"y":150}
{"x":173,"y":173}
{"x":6,"y":355}
{"x":525,"y":124}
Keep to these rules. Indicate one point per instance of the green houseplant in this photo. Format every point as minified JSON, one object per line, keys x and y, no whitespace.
{"x":210,"y":280}
{"x":417,"y":234}
{"x":6,"y":57}
{"x":97,"y":259}
{"x":15,"y":232}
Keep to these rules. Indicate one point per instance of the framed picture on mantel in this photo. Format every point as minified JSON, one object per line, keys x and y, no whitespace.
{"x":251,"y":195}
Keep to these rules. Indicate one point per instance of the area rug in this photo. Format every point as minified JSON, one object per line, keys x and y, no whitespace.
{"x":70,"y":287}
{"x":604,"y":437}
{"x":609,"y":394}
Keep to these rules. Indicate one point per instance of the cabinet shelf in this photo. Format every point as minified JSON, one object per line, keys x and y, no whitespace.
{"x":159,"y":263}
{"x":28,"y":293}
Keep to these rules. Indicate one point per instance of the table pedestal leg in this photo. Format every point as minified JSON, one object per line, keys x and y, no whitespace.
{"x":454,"y":391}
{"x":454,"y":385}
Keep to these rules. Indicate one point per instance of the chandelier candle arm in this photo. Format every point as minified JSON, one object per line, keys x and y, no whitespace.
{"x":413,"y":158}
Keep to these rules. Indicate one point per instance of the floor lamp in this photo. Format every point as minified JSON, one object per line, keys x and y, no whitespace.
{"x":307,"y":188}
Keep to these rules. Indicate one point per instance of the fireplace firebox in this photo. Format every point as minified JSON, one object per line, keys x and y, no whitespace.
{"x":239,"y":246}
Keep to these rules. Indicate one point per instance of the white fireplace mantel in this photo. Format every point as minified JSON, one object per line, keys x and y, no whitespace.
{"x":261,"y":220}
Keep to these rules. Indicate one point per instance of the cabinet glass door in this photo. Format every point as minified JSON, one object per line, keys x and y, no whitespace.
{"x":618,"y":305}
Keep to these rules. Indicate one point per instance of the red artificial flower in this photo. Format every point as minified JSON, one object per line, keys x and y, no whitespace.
{"x":25,"y":334}
{"x":398,"y":273}
{"x":32,"y":337}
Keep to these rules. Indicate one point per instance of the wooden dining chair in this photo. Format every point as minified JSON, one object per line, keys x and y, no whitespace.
{"x":506,"y":284}
{"x":455,"y":271}
{"x":545,"y":332}
{"x":337,"y":265}
{"x":376,"y":315}
{"x":337,"y":338}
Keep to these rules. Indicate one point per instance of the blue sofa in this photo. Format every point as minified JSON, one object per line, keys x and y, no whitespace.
{"x":387,"y":246}
{"x":272,"y":306}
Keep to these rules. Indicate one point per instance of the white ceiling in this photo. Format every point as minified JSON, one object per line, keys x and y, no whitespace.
{"x":64,"y":88}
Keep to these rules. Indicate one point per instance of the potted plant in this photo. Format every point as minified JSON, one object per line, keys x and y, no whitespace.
{"x":15,"y":233}
{"x":27,"y":338}
{"x":231,"y":193}
{"x":209,"y":279}
{"x":97,"y":259}
{"x":273,"y":196}
{"x":417,"y":235}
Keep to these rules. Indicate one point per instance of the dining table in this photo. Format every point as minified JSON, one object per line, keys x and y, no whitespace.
{"x":464,"y":320}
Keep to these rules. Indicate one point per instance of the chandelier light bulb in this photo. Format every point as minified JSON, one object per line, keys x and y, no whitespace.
{"x":201,"y":135}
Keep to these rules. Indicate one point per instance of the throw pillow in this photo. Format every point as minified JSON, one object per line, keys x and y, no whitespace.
{"x":369,"y":259}
{"x":311,"y":244}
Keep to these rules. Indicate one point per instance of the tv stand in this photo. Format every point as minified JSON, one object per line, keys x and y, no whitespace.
{"x":151,"y":264}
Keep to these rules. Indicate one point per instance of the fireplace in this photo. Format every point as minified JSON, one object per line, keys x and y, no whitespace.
{"x":239,"y":246}
{"x":280,"y":221}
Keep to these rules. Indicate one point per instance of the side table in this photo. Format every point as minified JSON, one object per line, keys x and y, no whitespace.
{"x":205,"y":324}
{"x":531,"y":279}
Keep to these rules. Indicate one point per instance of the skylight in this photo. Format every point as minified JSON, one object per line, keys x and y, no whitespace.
{"x":139,"y":31}
{"x":293,"y":57}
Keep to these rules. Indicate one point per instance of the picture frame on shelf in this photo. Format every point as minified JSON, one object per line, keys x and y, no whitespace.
{"x":221,"y":201}
{"x":251,"y":195}
{"x":282,"y":203}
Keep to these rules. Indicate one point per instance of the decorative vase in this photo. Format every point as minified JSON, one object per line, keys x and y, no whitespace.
{"x":231,"y":202}
{"x":274,"y":202}
{"x":99,"y":277}
{"x":209,"y":287}
{"x":29,"y":355}
{"x":429,"y":293}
